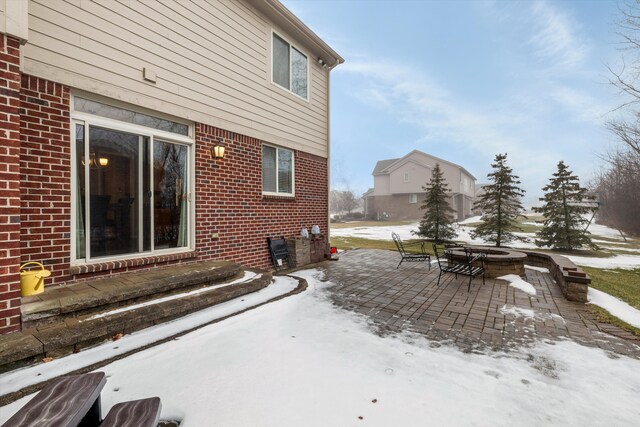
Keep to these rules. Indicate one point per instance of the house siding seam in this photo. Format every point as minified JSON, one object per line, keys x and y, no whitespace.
{"x":233,"y":218}
{"x":9,"y":184}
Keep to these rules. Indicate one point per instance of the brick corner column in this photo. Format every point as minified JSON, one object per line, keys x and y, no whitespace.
{"x":9,"y":184}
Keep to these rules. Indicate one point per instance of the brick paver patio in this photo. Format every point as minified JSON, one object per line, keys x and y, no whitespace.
{"x":408,"y":299}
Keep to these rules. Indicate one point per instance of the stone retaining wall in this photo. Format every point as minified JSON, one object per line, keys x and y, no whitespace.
{"x":573,"y":282}
{"x":499,"y":261}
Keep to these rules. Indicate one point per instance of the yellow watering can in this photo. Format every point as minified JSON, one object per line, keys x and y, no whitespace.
{"x":32,"y":281}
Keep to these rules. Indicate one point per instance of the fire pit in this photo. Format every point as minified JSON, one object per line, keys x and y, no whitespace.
{"x":499,"y":261}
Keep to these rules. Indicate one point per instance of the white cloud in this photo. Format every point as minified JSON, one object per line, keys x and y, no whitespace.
{"x":507,"y":125}
{"x":411,"y":98}
{"x":582,"y":105}
{"x":556,"y":37}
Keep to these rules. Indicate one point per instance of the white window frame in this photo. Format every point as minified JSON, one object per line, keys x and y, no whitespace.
{"x":78,"y":117}
{"x":291,"y":46}
{"x":293,"y":173}
{"x":413,"y":198}
{"x":406,"y":177}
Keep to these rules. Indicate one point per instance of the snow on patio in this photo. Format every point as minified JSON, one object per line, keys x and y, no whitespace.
{"x":516,"y":281}
{"x":302,"y":361}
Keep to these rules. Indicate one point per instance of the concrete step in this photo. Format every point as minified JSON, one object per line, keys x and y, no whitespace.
{"x":72,"y":334}
{"x":77,"y":299}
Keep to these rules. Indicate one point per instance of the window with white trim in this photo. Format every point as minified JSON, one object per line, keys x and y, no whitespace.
{"x":277,"y":171}
{"x":406,"y":177}
{"x":289,"y":67}
{"x":132,"y":182}
{"x":413,"y":198}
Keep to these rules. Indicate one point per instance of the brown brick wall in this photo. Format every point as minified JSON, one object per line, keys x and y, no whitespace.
{"x":233,"y":217}
{"x":9,"y":184}
{"x":229,"y":200}
{"x":45,"y":166}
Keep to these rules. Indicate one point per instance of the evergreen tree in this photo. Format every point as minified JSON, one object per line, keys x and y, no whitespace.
{"x":564,"y":209}
{"x":500,"y":205}
{"x":437,"y":222}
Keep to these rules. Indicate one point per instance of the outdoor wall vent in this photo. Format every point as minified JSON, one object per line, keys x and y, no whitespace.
{"x":149,"y":75}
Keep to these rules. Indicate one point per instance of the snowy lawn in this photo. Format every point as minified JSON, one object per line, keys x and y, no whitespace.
{"x":303,"y":362}
{"x":383,"y":233}
{"x":620,"y":309}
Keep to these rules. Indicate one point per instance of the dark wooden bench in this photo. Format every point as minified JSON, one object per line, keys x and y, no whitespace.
{"x":135,"y":413}
{"x":65,"y":402}
{"x":279,"y":251}
{"x":468,"y":268}
{"x":420,"y":254}
{"x":74,"y":401}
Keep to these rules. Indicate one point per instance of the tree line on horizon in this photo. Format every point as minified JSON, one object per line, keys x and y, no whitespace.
{"x":564,"y":206}
{"x":617,"y":185}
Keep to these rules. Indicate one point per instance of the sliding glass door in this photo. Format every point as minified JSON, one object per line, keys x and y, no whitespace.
{"x":131,"y":193}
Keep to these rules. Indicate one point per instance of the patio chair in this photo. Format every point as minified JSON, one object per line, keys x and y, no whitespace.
{"x":411,"y":256}
{"x":279,"y":252}
{"x":468,"y":268}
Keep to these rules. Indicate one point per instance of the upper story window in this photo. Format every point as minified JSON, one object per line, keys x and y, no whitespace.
{"x":277,"y":171}
{"x":290,"y":67}
{"x":466,"y":183}
{"x":406,"y":177}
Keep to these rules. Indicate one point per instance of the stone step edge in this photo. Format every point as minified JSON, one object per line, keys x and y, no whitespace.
{"x":73,"y":335}
{"x":11,"y":397}
{"x":78,"y":305}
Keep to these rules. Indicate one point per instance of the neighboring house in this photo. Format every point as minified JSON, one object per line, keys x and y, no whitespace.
{"x":111,"y":112}
{"x":398,"y":193}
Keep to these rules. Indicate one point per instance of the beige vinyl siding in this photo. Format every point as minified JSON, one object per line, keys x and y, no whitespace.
{"x":212,"y":60}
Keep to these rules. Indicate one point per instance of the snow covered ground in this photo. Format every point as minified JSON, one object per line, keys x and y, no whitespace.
{"x":626,"y":262}
{"x":303,"y":362}
{"x":376,"y":233}
{"x":630,"y":261}
{"x":613,"y":305}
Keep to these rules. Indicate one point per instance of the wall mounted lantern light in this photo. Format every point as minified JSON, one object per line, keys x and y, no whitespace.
{"x":217,"y":150}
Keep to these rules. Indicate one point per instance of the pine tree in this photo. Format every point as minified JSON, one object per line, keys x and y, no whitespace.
{"x":564,"y":209}
{"x":500,"y":205}
{"x":437,"y":222}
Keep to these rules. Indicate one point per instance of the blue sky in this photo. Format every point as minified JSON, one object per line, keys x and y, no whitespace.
{"x":465,"y":80}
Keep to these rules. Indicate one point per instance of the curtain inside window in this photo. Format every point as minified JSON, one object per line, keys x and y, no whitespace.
{"x":280,"y":62}
{"x":269,"y":169}
{"x":80,"y":209}
{"x":285,"y":171}
{"x":183,"y":230}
